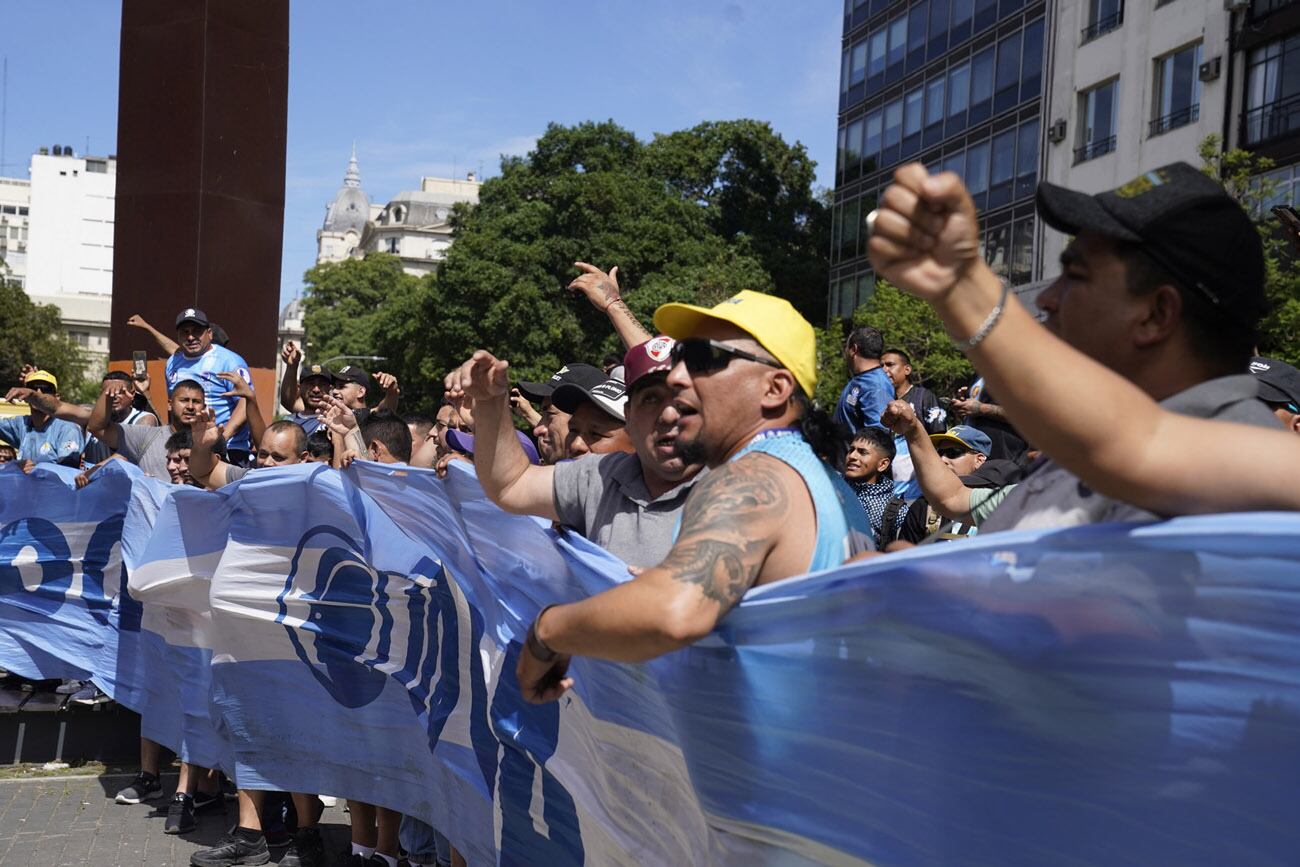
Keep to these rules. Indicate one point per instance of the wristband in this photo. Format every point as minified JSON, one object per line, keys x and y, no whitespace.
{"x":987,"y":325}
{"x":534,"y":644}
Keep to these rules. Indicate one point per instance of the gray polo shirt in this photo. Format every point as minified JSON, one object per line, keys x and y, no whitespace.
{"x":146,"y":447}
{"x":1051,"y":496}
{"x":604,"y":498}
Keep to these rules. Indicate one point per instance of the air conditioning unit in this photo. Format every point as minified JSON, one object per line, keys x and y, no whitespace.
{"x":1209,"y":70}
{"x":1056,"y":132}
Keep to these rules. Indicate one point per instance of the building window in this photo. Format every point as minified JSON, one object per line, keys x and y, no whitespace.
{"x":872,"y":138}
{"x":1272,"y":91}
{"x":8,"y":209}
{"x":916,"y":36}
{"x":1007,"y":79}
{"x":1002,"y":174}
{"x":1031,"y":69}
{"x":958,"y":97}
{"x":1022,"y":252}
{"x":1103,"y":17}
{"x":1026,"y":159}
{"x":1177,"y":90}
{"x":977,"y":174}
{"x":81,"y":338}
{"x":913,"y":106}
{"x":22,"y":212}
{"x":391,"y":245}
{"x":981,"y":86}
{"x":853,"y":150}
{"x":1097,"y":108}
{"x":876,"y":55}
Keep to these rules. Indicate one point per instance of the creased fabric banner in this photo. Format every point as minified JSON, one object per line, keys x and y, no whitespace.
{"x":1099,"y":695}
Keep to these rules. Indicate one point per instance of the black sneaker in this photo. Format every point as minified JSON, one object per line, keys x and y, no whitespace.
{"x":204,"y":801}
{"x":306,"y":850}
{"x":232,"y":850}
{"x":180,"y":815}
{"x":145,"y":787}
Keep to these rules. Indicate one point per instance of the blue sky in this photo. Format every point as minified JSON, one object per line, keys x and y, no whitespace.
{"x":428,"y":87}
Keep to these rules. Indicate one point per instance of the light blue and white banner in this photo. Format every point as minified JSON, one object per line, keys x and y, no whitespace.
{"x":1090,"y":696}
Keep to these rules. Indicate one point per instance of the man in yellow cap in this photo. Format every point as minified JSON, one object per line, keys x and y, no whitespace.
{"x":770,"y":507}
{"x":39,"y":436}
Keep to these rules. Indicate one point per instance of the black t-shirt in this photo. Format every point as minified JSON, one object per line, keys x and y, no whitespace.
{"x":933,"y":416}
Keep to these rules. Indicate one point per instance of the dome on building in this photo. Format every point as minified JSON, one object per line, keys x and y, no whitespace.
{"x":351,"y":206}
{"x":292,"y":315}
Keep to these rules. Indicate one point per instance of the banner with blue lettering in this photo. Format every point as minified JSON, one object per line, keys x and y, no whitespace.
{"x":1088,"y":696}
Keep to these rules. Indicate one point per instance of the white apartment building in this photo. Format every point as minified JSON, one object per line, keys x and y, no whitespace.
{"x":1135,"y":84}
{"x":15,"y":216}
{"x":70,"y":242}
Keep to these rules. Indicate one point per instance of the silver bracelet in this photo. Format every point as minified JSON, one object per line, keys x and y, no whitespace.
{"x":987,"y":325}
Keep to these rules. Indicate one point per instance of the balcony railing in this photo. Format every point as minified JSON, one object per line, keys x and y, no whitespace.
{"x":1103,"y":25}
{"x":1094,"y":149}
{"x":1175,"y":119}
{"x":1270,"y":121}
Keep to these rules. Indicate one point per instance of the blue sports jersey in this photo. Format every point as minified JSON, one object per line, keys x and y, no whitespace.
{"x":203,"y":369}
{"x":60,"y":442}
{"x":864,"y":399}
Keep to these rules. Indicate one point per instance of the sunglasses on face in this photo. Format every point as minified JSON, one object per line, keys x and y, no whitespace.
{"x":952,"y":453}
{"x":42,"y":387}
{"x":705,"y":356}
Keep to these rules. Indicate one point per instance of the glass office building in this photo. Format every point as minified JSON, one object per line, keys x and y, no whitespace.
{"x":957,"y":85}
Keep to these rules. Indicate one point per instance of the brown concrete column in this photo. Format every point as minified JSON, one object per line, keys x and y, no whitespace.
{"x":202,"y":120}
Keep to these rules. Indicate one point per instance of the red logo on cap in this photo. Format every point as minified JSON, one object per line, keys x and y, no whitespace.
{"x":659,"y":348}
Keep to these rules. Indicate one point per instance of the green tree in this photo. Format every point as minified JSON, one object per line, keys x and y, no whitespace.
{"x":1239,"y":171}
{"x":910,"y":324}
{"x":33,"y":334}
{"x":343,"y":301}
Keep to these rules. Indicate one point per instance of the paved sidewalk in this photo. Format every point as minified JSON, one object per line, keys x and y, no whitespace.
{"x":68,"y":821}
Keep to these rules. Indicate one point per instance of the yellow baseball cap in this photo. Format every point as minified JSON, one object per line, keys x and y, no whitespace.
{"x":40,"y":376}
{"x":770,"y":320}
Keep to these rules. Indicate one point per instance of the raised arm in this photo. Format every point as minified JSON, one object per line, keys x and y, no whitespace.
{"x":341,"y":422}
{"x":504,"y":471}
{"x":392,"y":390}
{"x":205,"y":467}
{"x":240,"y":388}
{"x":100,"y":423}
{"x":165,"y":343}
{"x":1128,"y":447}
{"x":291,"y":355}
{"x":939,"y":484}
{"x":730,"y":524}
{"x":602,"y":291}
{"x":51,"y":405}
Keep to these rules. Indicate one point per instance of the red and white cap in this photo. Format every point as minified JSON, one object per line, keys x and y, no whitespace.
{"x":650,"y":357}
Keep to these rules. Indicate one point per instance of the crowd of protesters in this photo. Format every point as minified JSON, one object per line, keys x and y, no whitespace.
{"x":698,"y":457}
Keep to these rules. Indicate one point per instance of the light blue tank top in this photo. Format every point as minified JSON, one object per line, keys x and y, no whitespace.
{"x":842,"y":528}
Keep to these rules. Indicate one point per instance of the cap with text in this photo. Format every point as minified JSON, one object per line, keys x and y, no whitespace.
{"x":608,"y":394}
{"x":1279,"y":382}
{"x":572,"y":372}
{"x":966,"y":437}
{"x":40,"y":376}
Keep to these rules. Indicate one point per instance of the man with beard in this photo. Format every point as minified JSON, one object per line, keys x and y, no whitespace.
{"x":769,"y":509}
{"x":628,"y":504}
{"x":146,"y":447}
{"x":198,"y":359}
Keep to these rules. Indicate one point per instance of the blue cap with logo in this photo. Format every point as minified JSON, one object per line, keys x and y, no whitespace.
{"x":966,"y":437}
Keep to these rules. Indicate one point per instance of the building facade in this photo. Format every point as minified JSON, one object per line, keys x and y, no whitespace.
{"x":70,"y":242}
{"x":15,"y":218}
{"x":957,"y":85}
{"x":415,"y":225}
{"x":1265,"y":60}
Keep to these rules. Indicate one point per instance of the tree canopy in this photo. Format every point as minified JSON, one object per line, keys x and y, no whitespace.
{"x":694,"y":215}
{"x":33,"y":334}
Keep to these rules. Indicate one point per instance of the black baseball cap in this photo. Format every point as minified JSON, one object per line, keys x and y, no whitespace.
{"x":572,"y":372}
{"x":1279,"y":382}
{"x":1185,"y":221}
{"x":315,"y":371}
{"x":352,"y":373}
{"x":192,"y":314}
{"x":608,"y":394}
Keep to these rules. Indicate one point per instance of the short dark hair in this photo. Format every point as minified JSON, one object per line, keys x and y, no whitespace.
{"x":117,"y":374}
{"x":179,"y":441}
{"x":390,"y":430}
{"x":879,"y":438}
{"x":295,"y":431}
{"x":1213,"y":337}
{"x":901,"y":353}
{"x":612,"y":359}
{"x":189,"y":384}
{"x":422,"y":422}
{"x":868,"y":341}
{"x":319,"y":444}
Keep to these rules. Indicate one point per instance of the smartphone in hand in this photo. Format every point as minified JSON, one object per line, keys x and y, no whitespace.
{"x":138,"y":364}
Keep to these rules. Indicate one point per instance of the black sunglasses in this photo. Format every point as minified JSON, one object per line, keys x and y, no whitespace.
{"x":705,"y":356}
{"x":953,"y":453}
{"x":42,"y":387}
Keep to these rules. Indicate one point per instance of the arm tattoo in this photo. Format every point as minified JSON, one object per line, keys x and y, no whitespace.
{"x":719,"y":549}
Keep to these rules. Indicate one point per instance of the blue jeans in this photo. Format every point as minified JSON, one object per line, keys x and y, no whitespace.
{"x":423,"y":844}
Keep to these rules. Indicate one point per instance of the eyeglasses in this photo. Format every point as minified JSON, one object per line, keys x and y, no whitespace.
{"x":705,"y":356}
{"x":953,"y":453}
{"x":42,"y":387}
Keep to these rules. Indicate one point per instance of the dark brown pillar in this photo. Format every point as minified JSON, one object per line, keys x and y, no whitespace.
{"x":200,"y":175}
